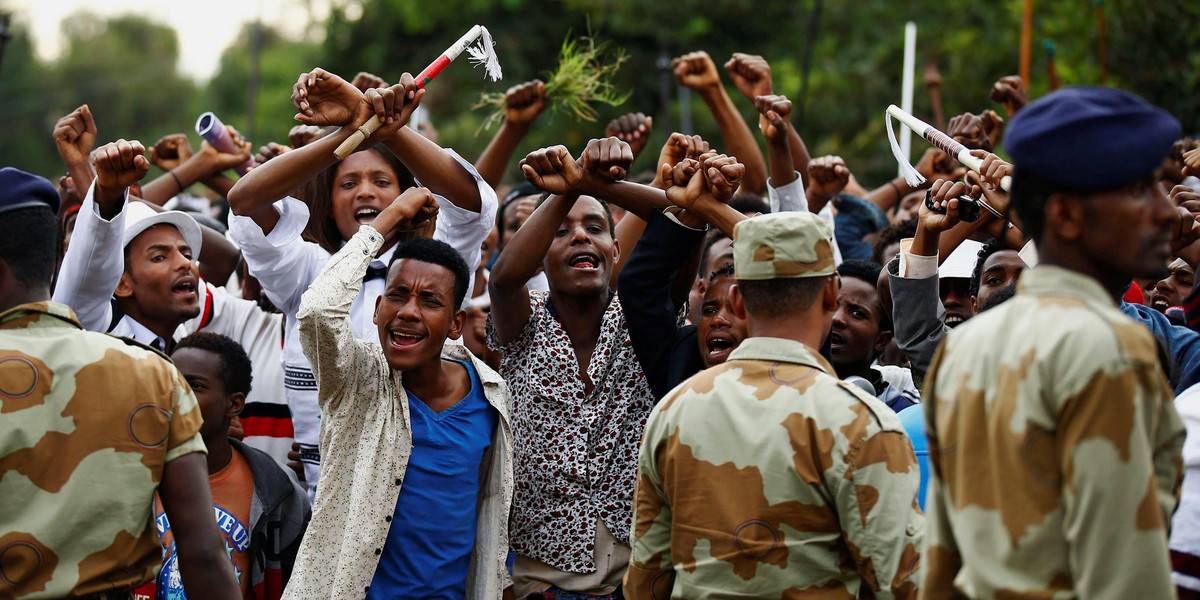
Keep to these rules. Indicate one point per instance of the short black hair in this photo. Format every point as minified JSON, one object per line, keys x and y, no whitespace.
{"x":30,"y":245}
{"x":890,"y":235}
{"x":713,"y":236}
{"x":725,"y":270}
{"x":868,"y":271}
{"x":989,"y":248}
{"x":749,"y":203}
{"x":236,"y":368}
{"x":441,"y":254}
{"x":774,"y":298}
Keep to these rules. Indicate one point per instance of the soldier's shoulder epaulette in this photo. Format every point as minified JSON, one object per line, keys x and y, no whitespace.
{"x":137,"y":344}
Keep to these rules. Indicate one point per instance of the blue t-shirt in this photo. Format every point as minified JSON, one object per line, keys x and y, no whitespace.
{"x":428,"y":548}
{"x":913,"y":420}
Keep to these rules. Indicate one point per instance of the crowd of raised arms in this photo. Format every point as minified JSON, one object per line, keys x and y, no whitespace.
{"x":734,"y":376}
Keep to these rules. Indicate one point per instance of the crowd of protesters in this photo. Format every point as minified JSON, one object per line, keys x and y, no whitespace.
{"x":736,"y":376}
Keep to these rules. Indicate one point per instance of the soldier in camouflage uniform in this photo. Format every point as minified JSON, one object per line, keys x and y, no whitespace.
{"x":766,"y":476}
{"x":1053,"y":440}
{"x":89,"y":427}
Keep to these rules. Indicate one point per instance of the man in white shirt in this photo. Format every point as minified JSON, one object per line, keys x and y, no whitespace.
{"x":133,"y":273}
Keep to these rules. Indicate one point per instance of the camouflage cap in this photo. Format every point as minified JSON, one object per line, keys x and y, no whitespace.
{"x":785,"y":245}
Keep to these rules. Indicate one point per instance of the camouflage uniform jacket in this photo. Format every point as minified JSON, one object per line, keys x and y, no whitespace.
{"x":1055,"y":450}
{"x":87,"y":423}
{"x":767,"y":477}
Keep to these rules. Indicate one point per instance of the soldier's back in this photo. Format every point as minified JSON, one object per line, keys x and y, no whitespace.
{"x":1047,"y":417}
{"x":87,"y":423}
{"x":772,"y":469}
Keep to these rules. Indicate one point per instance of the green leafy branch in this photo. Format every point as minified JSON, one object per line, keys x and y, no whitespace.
{"x":583,"y":78}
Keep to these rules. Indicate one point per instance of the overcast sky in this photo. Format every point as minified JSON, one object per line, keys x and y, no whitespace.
{"x":205,"y":27}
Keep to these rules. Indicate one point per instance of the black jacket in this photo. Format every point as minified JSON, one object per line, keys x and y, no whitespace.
{"x":667,"y":352}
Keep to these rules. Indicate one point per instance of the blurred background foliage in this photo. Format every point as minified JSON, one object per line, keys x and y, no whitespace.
{"x":125,"y":67}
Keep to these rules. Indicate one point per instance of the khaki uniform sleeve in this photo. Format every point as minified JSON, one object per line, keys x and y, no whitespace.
{"x":942,"y":560}
{"x":877,"y":503}
{"x":651,"y":573}
{"x":183,"y":433}
{"x":1109,"y":434}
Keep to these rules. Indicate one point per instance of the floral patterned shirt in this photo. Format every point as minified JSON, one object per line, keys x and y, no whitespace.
{"x":574,"y":454}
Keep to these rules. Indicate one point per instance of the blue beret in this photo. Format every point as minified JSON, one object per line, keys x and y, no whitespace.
{"x":19,"y":189}
{"x":1090,"y":138}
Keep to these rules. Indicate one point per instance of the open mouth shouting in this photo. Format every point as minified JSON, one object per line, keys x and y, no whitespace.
{"x":1159,"y":302}
{"x":184,"y":288}
{"x":954,"y":320}
{"x":586,"y":261}
{"x":836,"y":340}
{"x":366,"y":215}
{"x":718,"y":345}
{"x":404,"y":340}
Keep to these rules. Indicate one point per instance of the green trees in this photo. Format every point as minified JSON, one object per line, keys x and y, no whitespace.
{"x":125,"y":67}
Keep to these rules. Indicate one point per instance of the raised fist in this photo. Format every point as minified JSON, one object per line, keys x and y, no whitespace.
{"x":696,"y":70}
{"x":1010,"y":92}
{"x":120,"y":164}
{"x":775,"y":110}
{"x":722,"y":175}
{"x":303,"y":135}
{"x":75,"y":136}
{"x":751,"y":74}
{"x":827,"y":176}
{"x":171,"y":151}
{"x":523,"y":103}
{"x":416,"y":206}
{"x":608,"y":157}
{"x":217,"y":161}
{"x":271,"y":150}
{"x":552,"y":170}
{"x":631,"y":128}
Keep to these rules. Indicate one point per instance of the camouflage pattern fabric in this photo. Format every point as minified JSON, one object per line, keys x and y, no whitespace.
{"x":87,"y":422}
{"x":767,"y":477}
{"x":1056,"y":450}
{"x":785,"y":245}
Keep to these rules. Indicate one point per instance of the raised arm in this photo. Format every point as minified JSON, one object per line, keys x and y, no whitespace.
{"x":93,"y":264}
{"x":75,"y":136}
{"x":774,"y":112}
{"x":703,"y":189}
{"x":551,"y":169}
{"x":752,"y":76}
{"x":522,"y":105}
{"x":326,"y":335}
{"x":183,"y":171}
{"x":633,"y":129}
{"x":827,"y":177}
{"x":323,"y":99}
{"x":677,"y":148}
{"x":698,"y":72}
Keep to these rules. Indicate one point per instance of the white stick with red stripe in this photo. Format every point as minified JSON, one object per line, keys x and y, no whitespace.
{"x":480,"y":53}
{"x":939,"y":140}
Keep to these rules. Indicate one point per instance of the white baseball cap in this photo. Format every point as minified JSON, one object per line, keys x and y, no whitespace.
{"x":139,"y":217}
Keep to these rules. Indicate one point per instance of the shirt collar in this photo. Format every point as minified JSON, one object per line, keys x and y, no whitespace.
{"x":385,"y":257}
{"x":780,"y":350}
{"x":28,"y":316}
{"x":141,"y":334}
{"x":1049,"y":280}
